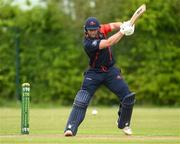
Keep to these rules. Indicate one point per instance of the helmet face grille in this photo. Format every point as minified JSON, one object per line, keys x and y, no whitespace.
{"x":92,"y":24}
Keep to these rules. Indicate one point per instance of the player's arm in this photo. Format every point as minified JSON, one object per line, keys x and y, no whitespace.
{"x":125,"y":29}
{"x":111,"y":40}
{"x":115,"y":26}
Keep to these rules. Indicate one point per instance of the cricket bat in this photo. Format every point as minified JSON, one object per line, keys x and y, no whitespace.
{"x":137,"y":14}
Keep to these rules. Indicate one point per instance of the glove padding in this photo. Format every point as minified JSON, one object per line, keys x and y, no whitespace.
{"x":127,"y":29}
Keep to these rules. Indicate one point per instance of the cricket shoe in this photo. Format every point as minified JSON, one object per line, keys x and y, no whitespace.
{"x":127,"y":130}
{"x":68,"y":133}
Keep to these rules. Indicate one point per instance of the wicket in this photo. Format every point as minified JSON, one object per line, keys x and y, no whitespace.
{"x":25,"y":108}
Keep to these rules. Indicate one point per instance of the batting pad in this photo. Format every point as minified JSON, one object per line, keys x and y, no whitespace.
{"x":126,"y":110}
{"x":78,"y":111}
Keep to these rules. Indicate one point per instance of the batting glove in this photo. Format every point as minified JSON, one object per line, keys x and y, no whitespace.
{"x":127,"y":29}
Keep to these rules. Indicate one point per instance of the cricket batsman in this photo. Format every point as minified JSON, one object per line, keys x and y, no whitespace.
{"x":102,"y":72}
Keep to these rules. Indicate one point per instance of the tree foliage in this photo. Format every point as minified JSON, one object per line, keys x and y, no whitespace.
{"x":52,"y":58}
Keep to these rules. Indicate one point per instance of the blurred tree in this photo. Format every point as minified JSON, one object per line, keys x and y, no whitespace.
{"x":52,"y":58}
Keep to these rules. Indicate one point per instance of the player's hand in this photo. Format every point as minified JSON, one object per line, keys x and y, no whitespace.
{"x":127,"y":29}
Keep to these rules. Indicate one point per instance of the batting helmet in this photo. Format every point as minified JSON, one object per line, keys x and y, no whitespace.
{"x":91,"y":24}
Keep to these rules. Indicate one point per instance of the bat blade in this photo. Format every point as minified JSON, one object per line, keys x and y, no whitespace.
{"x":137,"y":14}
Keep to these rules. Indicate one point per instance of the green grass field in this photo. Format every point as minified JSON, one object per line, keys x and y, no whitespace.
{"x":150,"y":126}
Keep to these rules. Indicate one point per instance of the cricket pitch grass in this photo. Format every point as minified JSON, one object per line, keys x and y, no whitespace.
{"x":149,"y":125}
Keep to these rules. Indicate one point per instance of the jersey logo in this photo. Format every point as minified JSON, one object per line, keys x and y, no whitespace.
{"x":119,"y":77}
{"x":94,"y":43}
